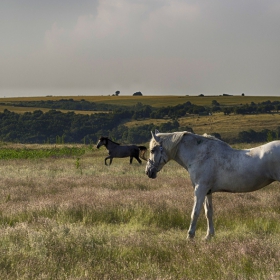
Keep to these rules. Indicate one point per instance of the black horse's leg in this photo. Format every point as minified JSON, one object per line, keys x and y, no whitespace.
{"x":138,"y":159}
{"x":130,"y":160}
{"x":110,"y":160}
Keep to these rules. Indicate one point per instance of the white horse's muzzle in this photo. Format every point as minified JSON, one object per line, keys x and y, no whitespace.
{"x":151,"y":169}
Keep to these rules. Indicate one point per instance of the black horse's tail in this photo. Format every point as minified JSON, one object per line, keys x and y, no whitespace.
{"x":142,"y":152}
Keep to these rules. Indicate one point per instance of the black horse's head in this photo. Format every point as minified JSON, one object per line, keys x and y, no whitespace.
{"x":103,"y":141}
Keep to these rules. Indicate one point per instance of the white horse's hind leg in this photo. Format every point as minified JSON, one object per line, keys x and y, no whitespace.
{"x":208,"y":207}
{"x":199,"y":196}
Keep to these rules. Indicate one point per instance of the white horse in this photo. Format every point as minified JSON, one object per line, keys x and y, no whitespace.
{"x":214,"y":167}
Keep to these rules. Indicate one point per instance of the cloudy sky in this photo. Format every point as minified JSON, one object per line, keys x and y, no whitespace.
{"x":158,"y":47}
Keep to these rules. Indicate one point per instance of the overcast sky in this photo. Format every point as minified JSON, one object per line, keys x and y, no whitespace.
{"x":158,"y":47}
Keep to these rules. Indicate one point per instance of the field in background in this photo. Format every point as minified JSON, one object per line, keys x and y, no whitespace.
{"x":228,"y":126}
{"x":72,"y":217}
{"x":155,"y":101}
{"x":22,"y":110}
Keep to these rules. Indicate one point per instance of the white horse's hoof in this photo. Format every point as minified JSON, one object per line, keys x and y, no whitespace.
{"x":208,"y":237}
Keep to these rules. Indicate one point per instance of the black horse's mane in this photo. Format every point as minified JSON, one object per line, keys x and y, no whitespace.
{"x":107,"y":139}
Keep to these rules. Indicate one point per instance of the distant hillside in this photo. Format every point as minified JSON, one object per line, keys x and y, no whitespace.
{"x":127,"y":120}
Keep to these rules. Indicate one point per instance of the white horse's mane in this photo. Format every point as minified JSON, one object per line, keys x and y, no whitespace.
{"x":170,"y":141}
{"x":209,"y":136}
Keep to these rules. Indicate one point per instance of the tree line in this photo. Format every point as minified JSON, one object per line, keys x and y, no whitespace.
{"x":57,"y":127}
{"x":146,"y":111}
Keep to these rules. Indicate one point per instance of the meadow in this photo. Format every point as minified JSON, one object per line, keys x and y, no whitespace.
{"x":155,"y":101}
{"x":69,"y":216}
{"x":228,"y":126}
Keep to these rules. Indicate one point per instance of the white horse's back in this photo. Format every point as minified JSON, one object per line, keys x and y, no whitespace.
{"x":216,"y":164}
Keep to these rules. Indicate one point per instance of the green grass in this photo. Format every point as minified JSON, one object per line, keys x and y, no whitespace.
{"x":27,"y":153}
{"x":60,"y":220}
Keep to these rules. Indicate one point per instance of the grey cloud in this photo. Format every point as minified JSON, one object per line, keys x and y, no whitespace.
{"x":158,"y":47}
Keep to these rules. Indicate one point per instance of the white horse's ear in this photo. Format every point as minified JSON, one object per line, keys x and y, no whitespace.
{"x":156,"y":138}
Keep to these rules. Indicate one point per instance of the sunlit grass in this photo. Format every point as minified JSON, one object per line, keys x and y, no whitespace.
{"x":156,"y":101}
{"x":22,"y":110}
{"x":228,"y":126}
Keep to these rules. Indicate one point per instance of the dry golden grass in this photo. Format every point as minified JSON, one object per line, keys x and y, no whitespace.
{"x":227,"y":125}
{"x":63,"y":220}
{"x":230,"y":126}
{"x":22,"y":110}
{"x":155,"y":101}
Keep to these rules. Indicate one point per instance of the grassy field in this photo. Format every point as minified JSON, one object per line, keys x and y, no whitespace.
{"x":72,"y":217}
{"x":228,"y":126}
{"x":22,"y":110}
{"x":156,"y":101}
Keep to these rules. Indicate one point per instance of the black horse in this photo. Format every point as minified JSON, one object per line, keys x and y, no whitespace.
{"x":119,"y":151}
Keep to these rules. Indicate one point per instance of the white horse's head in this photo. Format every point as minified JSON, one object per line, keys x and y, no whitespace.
{"x":163,"y":147}
{"x":158,"y":156}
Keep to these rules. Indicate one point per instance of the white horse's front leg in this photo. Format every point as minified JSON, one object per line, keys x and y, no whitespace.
{"x":199,"y":196}
{"x":208,"y":207}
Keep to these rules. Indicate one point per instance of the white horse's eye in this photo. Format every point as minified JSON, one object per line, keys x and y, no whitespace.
{"x":161,"y":148}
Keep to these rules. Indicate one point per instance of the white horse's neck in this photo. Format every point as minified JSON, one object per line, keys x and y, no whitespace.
{"x":193,"y":149}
